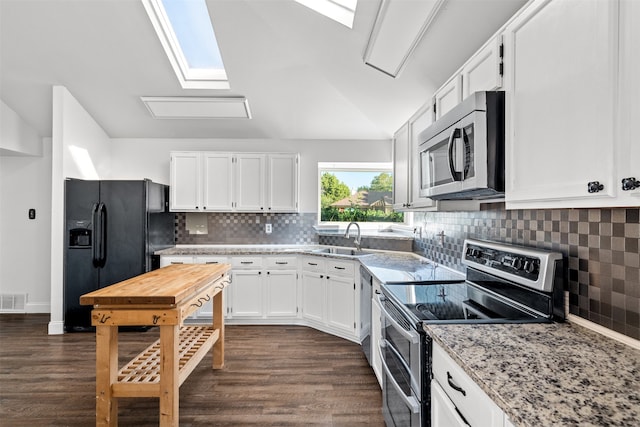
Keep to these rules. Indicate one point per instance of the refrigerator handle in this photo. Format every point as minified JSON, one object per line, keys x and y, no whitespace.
{"x":102,"y":212}
{"x":95,"y":221}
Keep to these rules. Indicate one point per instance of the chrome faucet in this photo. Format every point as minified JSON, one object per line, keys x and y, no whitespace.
{"x":356,"y":241}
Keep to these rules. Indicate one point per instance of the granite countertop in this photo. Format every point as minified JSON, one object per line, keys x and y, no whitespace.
{"x":558,"y":374}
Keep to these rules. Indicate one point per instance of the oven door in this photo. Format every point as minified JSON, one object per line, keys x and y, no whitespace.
{"x":455,"y":160}
{"x":402,"y":369}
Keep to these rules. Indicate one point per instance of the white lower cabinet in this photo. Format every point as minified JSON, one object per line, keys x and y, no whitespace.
{"x":247,"y":294}
{"x":282,"y":293}
{"x":330,"y":295}
{"x":206,"y":311}
{"x":456,"y":399}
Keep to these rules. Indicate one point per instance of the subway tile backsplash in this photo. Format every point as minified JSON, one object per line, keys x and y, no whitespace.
{"x":600,"y":247}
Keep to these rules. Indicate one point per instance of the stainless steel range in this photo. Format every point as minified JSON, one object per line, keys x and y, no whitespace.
{"x":504,"y":284}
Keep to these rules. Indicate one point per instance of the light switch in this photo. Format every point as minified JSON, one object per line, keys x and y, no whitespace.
{"x":268,"y":229}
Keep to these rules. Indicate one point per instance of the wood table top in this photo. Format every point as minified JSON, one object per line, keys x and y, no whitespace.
{"x":168,"y":286}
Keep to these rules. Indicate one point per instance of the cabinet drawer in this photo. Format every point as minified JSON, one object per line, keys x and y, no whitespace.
{"x":312,"y":263}
{"x":472,"y":402}
{"x":246,"y":262}
{"x":340,"y":268}
{"x":284,"y":262}
{"x":206,"y":259}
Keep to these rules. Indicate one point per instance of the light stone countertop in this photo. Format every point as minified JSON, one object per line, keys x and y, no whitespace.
{"x":558,"y":374}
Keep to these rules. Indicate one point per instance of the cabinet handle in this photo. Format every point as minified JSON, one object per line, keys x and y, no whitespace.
{"x":454,"y":385}
{"x":281,"y":263}
{"x":259,"y":272}
{"x":246,"y":262}
{"x":339,"y":268}
{"x":328,"y":277}
{"x":204,"y":207}
{"x":177,"y":262}
{"x":196,"y":207}
{"x":261,"y":208}
{"x":212,"y":262}
{"x":268,"y":272}
{"x":321,"y":276}
{"x":312,"y":263}
{"x":594,"y":187}
{"x":630,"y":184}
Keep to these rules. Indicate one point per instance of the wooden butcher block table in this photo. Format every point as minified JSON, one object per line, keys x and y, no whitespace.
{"x":163,"y":298}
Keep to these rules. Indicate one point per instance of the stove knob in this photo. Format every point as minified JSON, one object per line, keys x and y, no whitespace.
{"x":530,"y":266}
{"x":517,"y":263}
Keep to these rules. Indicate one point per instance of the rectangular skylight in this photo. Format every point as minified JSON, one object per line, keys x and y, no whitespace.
{"x":187,"y":36}
{"x":229,"y":107}
{"x":342,"y":11}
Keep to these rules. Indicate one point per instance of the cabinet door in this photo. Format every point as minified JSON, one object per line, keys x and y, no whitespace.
{"x":185,"y":179}
{"x":341,"y":303}
{"x":282,"y":183}
{"x":629,"y":153}
{"x":401,"y":165}
{"x":249,"y":184}
{"x":482,"y":71}
{"x":218,"y":181}
{"x":561,"y":59}
{"x":313,"y":296}
{"x":448,"y":96}
{"x":247,"y":294}
{"x":282,"y":295}
{"x":206,"y":311}
{"x":443,"y":411}
{"x":417,"y":124}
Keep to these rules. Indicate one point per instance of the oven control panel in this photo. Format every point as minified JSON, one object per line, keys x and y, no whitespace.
{"x":529,"y":266}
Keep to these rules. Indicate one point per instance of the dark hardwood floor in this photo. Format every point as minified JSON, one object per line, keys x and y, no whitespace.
{"x":273,"y":376}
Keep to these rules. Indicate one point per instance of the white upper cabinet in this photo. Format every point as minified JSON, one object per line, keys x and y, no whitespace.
{"x":282,"y":185}
{"x":629,"y":153}
{"x":561,"y":60}
{"x":448,"y":96}
{"x":401,"y":168}
{"x":484,"y":70}
{"x":420,"y":121}
{"x":186,"y":181}
{"x":250,"y":188}
{"x":242,"y":182}
{"x":218,"y":181}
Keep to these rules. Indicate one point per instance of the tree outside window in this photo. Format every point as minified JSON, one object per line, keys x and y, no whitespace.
{"x":370,"y":202}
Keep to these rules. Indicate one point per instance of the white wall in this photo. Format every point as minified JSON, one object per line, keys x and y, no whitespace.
{"x":16,"y":136}
{"x":149,"y":158}
{"x":25,"y":244}
{"x":81,"y":149}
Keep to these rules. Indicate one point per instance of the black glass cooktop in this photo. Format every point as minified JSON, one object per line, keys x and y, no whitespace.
{"x":462,"y":302}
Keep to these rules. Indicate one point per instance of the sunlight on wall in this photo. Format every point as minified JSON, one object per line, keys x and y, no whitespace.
{"x":83,"y":162}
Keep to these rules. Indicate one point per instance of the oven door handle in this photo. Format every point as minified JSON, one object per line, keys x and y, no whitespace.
{"x":414,"y":338}
{"x":410,"y":401}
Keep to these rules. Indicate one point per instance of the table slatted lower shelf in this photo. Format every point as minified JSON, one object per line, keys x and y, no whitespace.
{"x":141,"y":376}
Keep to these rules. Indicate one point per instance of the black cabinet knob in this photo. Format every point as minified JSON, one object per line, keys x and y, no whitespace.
{"x":594,"y":187}
{"x":630,"y":184}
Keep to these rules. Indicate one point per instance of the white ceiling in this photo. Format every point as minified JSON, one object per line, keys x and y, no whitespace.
{"x":302,"y":73}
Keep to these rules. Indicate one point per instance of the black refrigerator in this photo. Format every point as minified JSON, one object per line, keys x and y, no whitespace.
{"x":112,"y":229}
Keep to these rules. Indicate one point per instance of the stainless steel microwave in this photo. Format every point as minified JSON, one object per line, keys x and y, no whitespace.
{"x":461,"y":156}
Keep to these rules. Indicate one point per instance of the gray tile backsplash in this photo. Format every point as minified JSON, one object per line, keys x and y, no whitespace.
{"x":600,"y":247}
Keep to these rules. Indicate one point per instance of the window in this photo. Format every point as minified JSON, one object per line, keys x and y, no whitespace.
{"x":186,"y":33}
{"x":342,"y":11}
{"x":361,"y":192}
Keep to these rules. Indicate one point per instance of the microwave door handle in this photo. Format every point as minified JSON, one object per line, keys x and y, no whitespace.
{"x":456,"y":176}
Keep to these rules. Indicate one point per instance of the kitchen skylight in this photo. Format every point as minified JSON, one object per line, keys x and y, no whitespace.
{"x":186,"y":33}
{"x":342,"y":11}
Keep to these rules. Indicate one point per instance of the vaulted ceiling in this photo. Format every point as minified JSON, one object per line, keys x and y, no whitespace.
{"x":303,"y":74}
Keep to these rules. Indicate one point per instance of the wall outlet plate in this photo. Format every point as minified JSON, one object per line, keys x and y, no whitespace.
{"x":268,"y":229}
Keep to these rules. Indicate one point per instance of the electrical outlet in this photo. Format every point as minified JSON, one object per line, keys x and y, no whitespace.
{"x":268,"y":229}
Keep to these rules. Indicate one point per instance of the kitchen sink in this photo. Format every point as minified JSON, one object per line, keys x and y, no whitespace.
{"x":343,"y":251}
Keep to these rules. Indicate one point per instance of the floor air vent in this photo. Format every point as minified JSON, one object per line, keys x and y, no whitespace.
{"x":13,"y":303}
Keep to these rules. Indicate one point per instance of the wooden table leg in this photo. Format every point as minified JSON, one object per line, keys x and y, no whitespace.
{"x":106,"y":374}
{"x":169,"y":369}
{"x":218,"y":323}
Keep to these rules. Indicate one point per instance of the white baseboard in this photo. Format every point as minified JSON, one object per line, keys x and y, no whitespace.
{"x":56,"y":328}
{"x":604,"y":331}
{"x":37,"y":307}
